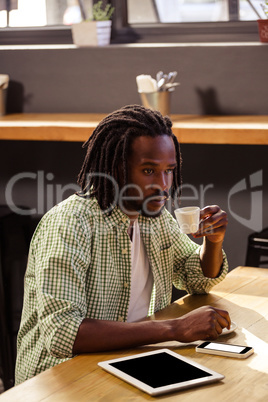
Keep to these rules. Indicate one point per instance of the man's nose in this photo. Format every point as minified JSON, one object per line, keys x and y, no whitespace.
{"x":163,"y":181}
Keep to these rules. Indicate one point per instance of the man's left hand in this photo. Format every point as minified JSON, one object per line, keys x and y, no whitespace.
{"x":213,"y":224}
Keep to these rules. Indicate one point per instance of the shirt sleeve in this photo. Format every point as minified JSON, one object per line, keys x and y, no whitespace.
{"x":188,"y":274}
{"x":62,"y":258}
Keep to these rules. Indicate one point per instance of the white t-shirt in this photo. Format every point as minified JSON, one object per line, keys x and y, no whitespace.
{"x":141,"y":278}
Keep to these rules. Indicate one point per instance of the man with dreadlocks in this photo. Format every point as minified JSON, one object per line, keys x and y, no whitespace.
{"x":105,"y":258}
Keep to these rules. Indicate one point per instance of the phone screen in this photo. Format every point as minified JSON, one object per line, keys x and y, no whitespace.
{"x":223,"y":347}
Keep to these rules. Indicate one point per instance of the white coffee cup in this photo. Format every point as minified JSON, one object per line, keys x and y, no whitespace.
{"x":188,"y":219}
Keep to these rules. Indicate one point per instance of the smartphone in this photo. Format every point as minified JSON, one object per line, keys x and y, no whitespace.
{"x":225,"y":349}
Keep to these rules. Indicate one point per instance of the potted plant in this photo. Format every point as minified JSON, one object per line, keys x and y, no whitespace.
{"x":95,"y":31}
{"x":263,"y":23}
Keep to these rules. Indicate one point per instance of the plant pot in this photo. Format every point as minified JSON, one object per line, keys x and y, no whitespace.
{"x":92,"y":33}
{"x":263,"y":30}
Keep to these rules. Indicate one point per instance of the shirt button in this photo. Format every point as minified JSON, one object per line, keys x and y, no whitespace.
{"x":120,"y":318}
{"x":125,"y":284}
{"x":124,"y":251}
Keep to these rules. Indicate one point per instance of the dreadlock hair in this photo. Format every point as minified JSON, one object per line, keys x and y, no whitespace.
{"x":109,"y":147}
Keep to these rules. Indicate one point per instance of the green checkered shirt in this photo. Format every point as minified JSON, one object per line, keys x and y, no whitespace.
{"x":80,"y":266}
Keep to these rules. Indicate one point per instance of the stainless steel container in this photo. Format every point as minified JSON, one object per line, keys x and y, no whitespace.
{"x":4,"y":80}
{"x":157,"y":101}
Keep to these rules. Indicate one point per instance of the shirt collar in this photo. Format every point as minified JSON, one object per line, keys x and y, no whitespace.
{"x":118,"y":218}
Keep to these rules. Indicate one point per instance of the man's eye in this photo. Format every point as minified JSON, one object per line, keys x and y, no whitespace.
{"x":148,"y":171}
{"x":169,"y":171}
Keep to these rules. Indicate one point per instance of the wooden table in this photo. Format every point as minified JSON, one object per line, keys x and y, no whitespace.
{"x":189,"y":129}
{"x":244,"y":293}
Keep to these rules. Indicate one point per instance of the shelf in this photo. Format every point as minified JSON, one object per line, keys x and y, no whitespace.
{"x":189,"y":129}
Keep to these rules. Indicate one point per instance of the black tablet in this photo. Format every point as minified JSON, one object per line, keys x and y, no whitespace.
{"x":160,"y":371}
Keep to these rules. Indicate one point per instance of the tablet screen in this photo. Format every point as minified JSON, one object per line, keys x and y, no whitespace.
{"x":160,"y":370}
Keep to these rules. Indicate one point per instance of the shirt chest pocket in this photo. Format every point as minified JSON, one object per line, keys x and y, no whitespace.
{"x":166,"y":255}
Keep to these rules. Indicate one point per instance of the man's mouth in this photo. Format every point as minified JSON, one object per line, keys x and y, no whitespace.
{"x":157,"y":200}
{"x":159,"y":197}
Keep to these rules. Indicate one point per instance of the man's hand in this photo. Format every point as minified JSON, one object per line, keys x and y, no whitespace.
{"x":212,"y":228}
{"x":213,"y":224}
{"x":203,"y":323}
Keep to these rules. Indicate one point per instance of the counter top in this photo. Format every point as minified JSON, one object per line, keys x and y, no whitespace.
{"x":243,"y":294}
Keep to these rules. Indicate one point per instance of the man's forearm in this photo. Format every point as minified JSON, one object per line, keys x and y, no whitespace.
{"x":100,"y":335}
{"x":211,"y":258}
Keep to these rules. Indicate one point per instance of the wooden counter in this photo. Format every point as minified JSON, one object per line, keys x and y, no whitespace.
{"x":189,"y":129}
{"x":243,"y":293}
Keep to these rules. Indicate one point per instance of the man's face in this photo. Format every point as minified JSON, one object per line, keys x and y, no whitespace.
{"x":150,"y":175}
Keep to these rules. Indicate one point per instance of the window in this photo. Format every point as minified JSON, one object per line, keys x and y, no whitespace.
{"x":33,"y":13}
{"x":48,"y":21}
{"x":193,"y":20}
{"x":177,"y":11}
